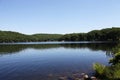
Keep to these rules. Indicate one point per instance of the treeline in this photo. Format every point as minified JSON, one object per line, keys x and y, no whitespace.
{"x":46,"y":37}
{"x":9,"y":36}
{"x":108,"y":34}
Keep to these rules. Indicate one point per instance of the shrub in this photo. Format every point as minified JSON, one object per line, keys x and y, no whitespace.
{"x":116,"y":59}
{"x":99,"y":68}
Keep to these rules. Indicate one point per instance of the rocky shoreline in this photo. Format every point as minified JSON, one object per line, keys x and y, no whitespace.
{"x":75,"y":76}
{"x":78,"y":76}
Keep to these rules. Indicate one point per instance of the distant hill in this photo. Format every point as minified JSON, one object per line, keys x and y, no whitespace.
{"x":108,"y":34}
{"x":46,"y":37}
{"x":9,"y":36}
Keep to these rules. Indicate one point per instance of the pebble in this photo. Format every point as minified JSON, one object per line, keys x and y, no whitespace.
{"x":82,"y":74}
{"x":78,"y":79}
{"x":93,"y":78}
{"x":75,"y":76}
{"x":86,"y":76}
{"x":63,"y":78}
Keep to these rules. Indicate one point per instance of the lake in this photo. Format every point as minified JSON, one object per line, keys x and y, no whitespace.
{"x":48,"y":60}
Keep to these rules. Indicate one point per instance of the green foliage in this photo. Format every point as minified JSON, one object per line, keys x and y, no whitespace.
{"x":116,"y":59}
{"x":46,"y":37}
{"x":99,"y":68}
{"x":109,"y":72}
{"x":108,"y":34}
{"x":116,"y":73}
{"x":8,"y":36}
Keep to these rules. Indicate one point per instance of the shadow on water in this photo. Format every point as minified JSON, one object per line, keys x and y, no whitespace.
{"x":11,"y":49}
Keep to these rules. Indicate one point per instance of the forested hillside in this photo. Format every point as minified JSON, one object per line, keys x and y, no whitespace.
{"x":108,"y":34}
{"x":9,"y":36}
{"x":46,"y":37}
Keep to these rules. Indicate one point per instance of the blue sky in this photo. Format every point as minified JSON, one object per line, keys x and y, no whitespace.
{"x":58,"y":16}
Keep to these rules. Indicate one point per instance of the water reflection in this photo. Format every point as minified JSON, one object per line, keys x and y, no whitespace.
{"x":38,"y":61}
{"x":9,"y":49}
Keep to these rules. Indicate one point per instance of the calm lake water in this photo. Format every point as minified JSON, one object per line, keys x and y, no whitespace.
{"x":40,"y":60}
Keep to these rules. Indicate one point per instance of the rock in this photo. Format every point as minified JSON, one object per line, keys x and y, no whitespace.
{"x":93,"y":78}
{"x":77,"y":75}
{"x":82,"y":74}
{"x":86,"y":76}
{"x":78,"y":79}
{"x":63,"y":78}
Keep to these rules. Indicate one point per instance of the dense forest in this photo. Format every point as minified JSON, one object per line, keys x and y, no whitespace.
{"x":9,"y":36}
{"x":108,"y":34}
{"x":46,"y":37}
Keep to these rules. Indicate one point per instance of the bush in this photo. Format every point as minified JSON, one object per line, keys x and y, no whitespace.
{"x":116,"y":59}
{"x":109,"y":72}
{"x":99,"y":68}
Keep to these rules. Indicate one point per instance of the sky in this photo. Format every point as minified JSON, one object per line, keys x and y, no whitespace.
{"x":58,"y":16}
